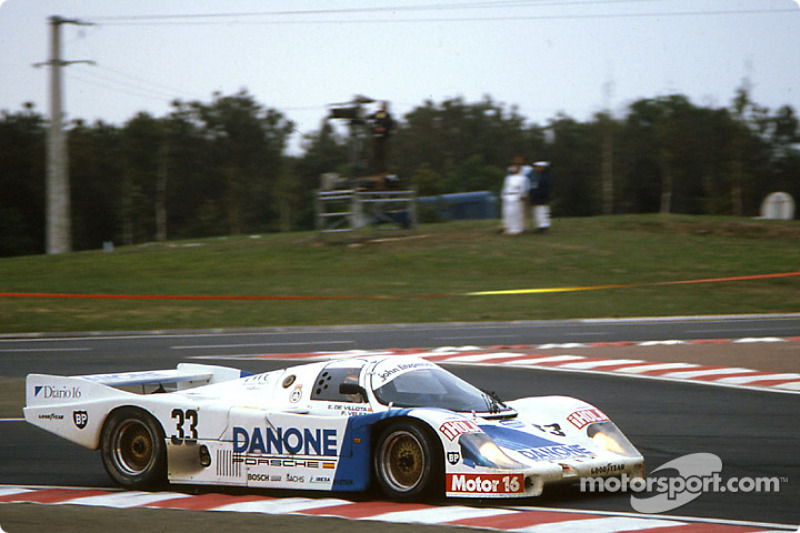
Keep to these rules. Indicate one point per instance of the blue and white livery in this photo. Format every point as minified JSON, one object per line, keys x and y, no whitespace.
{"x":401,"y":424}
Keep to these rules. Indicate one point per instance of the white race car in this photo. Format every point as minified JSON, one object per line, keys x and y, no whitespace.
{"x":402,"y":423}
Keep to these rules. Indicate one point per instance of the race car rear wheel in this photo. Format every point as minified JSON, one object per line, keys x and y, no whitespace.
{"x":133,"y":449}
{"x":407,"y":461}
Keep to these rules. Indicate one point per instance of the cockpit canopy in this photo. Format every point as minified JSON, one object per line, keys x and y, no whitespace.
{"x":404,"y":382}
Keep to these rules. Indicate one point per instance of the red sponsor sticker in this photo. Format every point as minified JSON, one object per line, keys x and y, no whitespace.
{"x":454,"y":428}
{"x":584,"y":417}
{"x":485,"y":483}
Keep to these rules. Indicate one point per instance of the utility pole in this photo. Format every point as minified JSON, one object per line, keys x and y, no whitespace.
{"x":607,"y":170}
{"x":57,"y":200}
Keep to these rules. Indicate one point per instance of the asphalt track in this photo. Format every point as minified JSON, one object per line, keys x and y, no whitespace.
{"x":755,"y":433}
{"x":127,"y":351}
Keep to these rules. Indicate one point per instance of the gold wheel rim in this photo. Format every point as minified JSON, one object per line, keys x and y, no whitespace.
{"x":133,"y":447}
{"x":405,"y":461}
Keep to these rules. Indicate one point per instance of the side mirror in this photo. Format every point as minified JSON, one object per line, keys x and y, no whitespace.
{"x":353,"y":388}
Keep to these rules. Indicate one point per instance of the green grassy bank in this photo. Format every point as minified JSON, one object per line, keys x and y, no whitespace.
{"x":392,"y":276}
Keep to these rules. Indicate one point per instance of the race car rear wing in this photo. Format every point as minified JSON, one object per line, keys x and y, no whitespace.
{"x":185,"y":376}
{"x":74,"y":407}
{"x":43,"y":388}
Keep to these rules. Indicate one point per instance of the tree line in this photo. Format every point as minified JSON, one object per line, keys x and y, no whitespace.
{"x":222,"y":167}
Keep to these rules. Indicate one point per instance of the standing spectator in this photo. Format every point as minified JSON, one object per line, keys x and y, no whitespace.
{"x":539,"y":196}
{"x":514,"y":194}
{"x":382,"y":124}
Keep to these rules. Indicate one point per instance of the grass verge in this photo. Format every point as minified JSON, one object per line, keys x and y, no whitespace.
{"x":417,"y":276}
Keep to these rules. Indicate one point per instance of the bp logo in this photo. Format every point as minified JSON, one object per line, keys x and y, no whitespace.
{"x":80,"y":418}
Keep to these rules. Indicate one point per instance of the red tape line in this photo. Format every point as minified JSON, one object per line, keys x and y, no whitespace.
{"x":373,"y":297}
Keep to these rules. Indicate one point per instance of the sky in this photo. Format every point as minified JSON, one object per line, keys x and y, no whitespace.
{"x":545,"y":57}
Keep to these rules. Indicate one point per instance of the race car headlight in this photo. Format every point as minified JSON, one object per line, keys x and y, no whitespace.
{"x":607,"y":436}
{"x":478,"y":449}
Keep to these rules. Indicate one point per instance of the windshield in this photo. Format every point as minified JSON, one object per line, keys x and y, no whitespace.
{"x":432,"y":386}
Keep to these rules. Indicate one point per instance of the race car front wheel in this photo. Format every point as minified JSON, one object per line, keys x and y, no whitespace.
{"x":407,"y":462}
{"x":133,"y":450}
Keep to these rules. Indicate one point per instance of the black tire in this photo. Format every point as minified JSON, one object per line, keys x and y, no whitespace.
{"x":133,"y":449}
{"x":407,"y":462}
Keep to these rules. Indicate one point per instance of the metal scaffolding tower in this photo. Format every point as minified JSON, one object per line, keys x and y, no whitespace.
{"x":352,"y":209}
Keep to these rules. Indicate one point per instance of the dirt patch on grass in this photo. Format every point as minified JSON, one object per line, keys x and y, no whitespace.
{"x":752,"y":229}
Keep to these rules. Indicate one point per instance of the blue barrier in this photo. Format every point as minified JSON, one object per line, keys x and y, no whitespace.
{"x":463,"y":205}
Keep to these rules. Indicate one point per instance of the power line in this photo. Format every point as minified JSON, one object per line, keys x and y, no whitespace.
{"x":479,"y":19}
{"x":96,"y":76}
{"x":215,"y":18}
{"x":110,"y":84}
{"x":382,"y":9}
{"x":113,"y":75}
{"x":131,"y":91}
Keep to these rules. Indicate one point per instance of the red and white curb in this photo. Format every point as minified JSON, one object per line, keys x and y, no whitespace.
{"x":533,"y":356}
{"x":534,"y":520}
